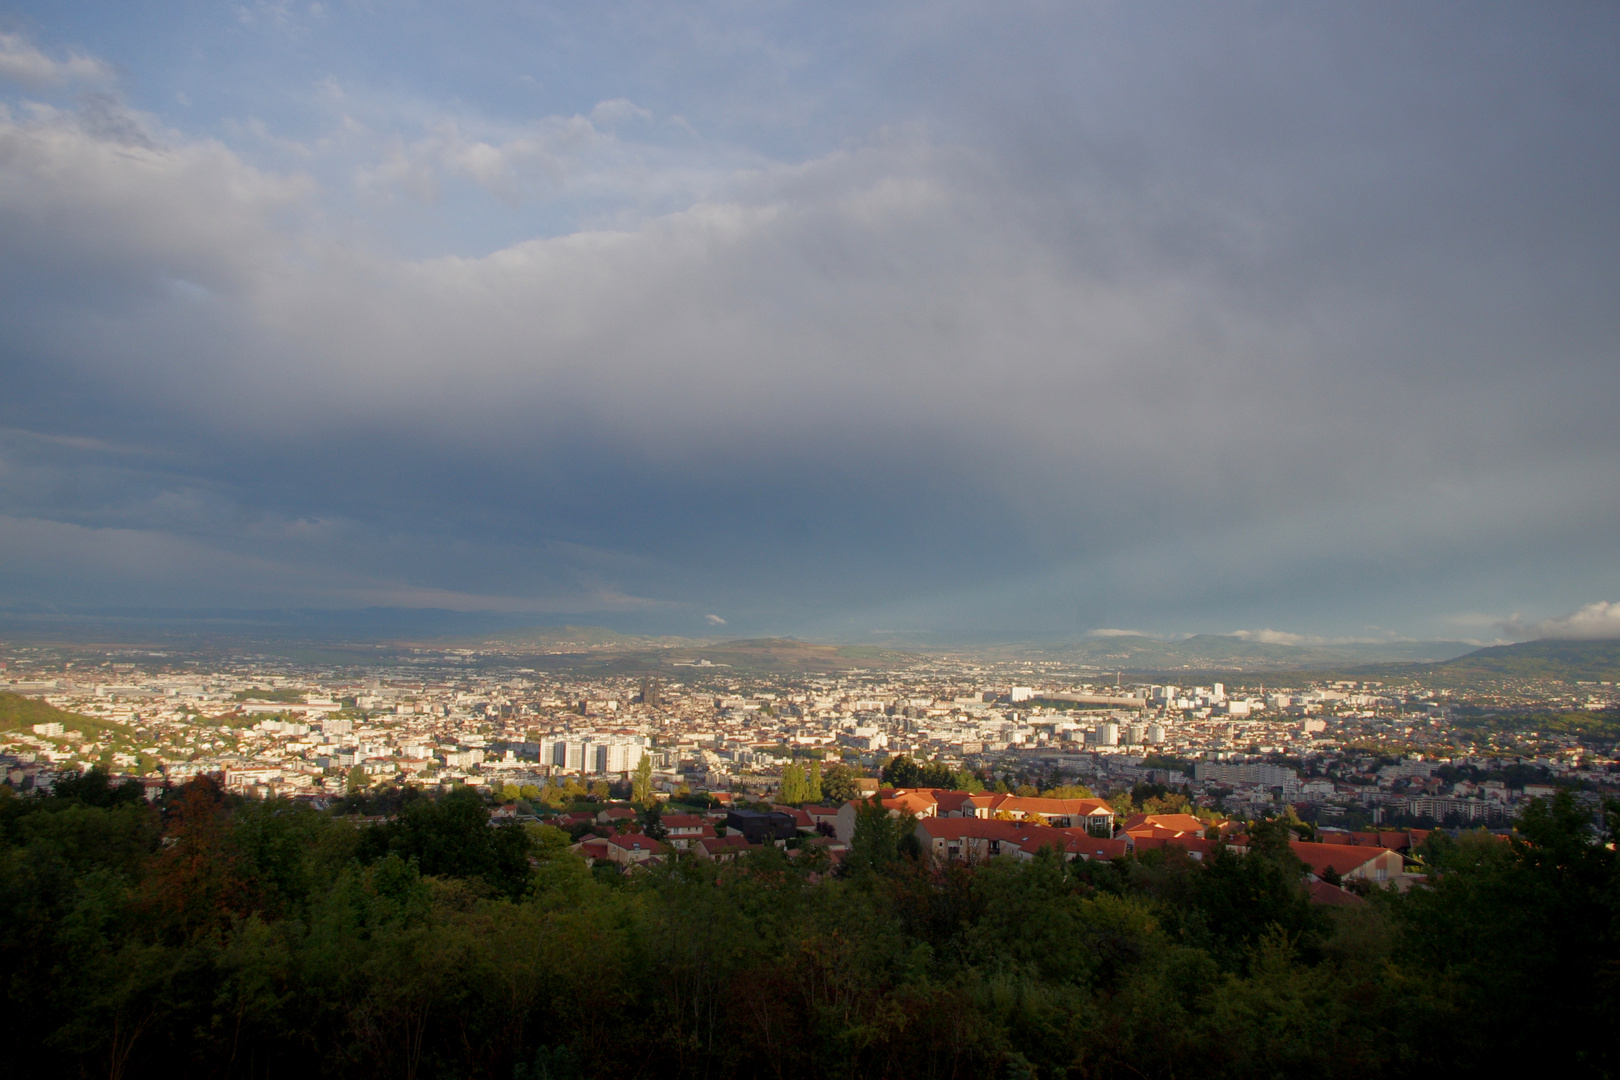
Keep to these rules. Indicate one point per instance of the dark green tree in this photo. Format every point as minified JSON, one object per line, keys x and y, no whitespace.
{"x":900,"y":772}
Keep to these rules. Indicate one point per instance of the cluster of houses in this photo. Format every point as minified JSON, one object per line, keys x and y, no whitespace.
{"x":964,"y":826}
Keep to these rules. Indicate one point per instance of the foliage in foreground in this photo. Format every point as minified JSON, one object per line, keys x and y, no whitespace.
{"x":245,"y":939}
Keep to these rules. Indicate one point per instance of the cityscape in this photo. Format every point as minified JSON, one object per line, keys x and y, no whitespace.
{"x":714,"y":540}
{"x":1344,"y":753}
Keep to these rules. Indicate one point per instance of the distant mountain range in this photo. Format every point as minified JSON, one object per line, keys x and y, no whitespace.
{"x":1229,"y":653}
{"x":605,"y":651}
{"x":1202,"y":654}
{"x":1205,"y":652}
{"x":565,"y":639}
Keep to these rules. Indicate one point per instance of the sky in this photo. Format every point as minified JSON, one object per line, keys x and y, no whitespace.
{"x":866,"y":321}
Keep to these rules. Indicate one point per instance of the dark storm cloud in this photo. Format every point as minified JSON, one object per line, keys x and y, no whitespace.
{"x":1202,"y":318}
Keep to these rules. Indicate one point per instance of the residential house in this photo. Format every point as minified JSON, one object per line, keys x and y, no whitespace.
{"x":683,"y":830}
{"x":1094,"y":815}
{"x":1349,"y":861}
{"x":630,"y":849}
{"x":722,"y":848}
{"x":976,"y":839}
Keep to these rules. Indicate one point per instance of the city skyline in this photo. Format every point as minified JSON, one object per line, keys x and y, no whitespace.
{"x":855,"y":323}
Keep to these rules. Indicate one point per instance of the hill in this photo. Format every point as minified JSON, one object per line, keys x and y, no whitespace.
{"x":784,"y":656}
{"x":1236,"y":654}
{"x":564,"y":639}
{"x":602,"y":651}
{"x":1571,"y":661}
{"x":19,"y":713}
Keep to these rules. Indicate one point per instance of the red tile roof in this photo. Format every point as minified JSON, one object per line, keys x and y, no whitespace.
{"x":1021,"y":835}
{"x":1190,"y":844}
{"x":1333,"y":896}
{"x":1181,"y":823}
{"x":636,"y":841}
{"x":673,"y":822}
{"x":1048,"y":807}
{"x":1340,"y":858}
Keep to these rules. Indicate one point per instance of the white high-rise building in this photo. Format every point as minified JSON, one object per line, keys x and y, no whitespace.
{"x":1104,"y":734}
{"x":589,"y":754}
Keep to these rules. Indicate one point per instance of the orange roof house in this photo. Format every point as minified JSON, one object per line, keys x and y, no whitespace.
{"x":977,"y":839}
{"x":1348,"y":860}
{"x":1058,"y":813}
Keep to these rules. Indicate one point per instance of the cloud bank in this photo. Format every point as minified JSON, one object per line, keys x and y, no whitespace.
{"x":22,"y":63}
{"x":1595,"y":621}
{"x":1310,"y":336}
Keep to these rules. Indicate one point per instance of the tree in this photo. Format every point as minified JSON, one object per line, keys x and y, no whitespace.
{"x":813,"y":783}
{"x":838,"y":783}
{"x":1240,"y":897}
{"x":793,"y":785}
{"x":357,"y":780}
{"x":1172,"y":803}
{"x":452,"y":837}
{"x":875,"y":844}
{"x":641,"y":786}
{"x":652,"y":820}
{"x":1538,"y":914}
{"x":94,"y":788}
{"x":550,"y":1063}
{"x":900,"y":772}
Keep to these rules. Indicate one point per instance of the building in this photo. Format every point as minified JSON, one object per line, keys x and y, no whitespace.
{"x":1266,"y":776}
{"x":1349,"y":861}
{"x":1439,"y":808}
{"x":591,"y":754}
{"x":1104,"y":734}
{"x":761,"y":826}
{"x":978,"y":839}
{"x":1093,"y":815}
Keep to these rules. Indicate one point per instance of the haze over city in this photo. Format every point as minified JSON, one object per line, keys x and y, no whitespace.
{"x":851,"y":322}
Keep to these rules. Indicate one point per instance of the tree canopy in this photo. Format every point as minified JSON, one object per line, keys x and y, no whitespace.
{"x":229,"y":937}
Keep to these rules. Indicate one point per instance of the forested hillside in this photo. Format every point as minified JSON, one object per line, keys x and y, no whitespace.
{"x":211,"y":937}
{"x":1550,"y":659}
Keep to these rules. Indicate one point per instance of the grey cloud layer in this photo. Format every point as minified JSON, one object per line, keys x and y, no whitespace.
{"x":1047,"y":377}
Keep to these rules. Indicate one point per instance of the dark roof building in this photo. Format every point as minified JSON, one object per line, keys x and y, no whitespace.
{"x":762,"y":826}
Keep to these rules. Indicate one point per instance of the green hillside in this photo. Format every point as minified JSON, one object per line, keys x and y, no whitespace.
{"x":1234,"y":654}
{"x":19,"y":713}
{"x":1548,"y":659}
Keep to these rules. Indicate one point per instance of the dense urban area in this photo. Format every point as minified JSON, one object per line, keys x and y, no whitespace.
{"x":774,"y":859}
{"x":1339,"y":751}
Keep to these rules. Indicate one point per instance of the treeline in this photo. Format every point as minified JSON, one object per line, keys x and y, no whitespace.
{"x":215,"y":937}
